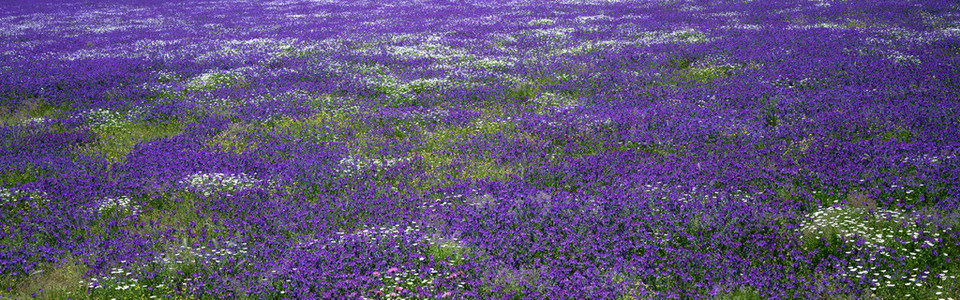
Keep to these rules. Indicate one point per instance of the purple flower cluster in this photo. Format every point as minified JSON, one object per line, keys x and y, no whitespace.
{"x":563,"y":149}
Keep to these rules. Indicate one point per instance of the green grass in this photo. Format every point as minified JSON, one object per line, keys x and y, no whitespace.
{"x":439,"y":150}
{"x":30,"y":109}
{"x":635,"y":289}
{"x":58,"y":281}
{"x":740,"y":294}
{"x":319,"y":127}
{"x":686,"y":73}
{"x":232,"y":139}
{"x":24,"y":174}
{"x":510,"y":281}
{"x":114,"y":142}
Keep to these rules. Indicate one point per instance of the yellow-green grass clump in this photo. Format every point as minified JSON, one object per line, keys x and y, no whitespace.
{"x":330,"y":118}
{"x":116,"y":139}
{"x":440,"y":150}
{"x":232,"y":139}
{"x":60,"y":280}
{"x":633,"y":289}
{"x":30,"y":110}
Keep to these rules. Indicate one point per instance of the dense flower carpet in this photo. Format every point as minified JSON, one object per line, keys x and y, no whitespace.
{"x":479,"y":149}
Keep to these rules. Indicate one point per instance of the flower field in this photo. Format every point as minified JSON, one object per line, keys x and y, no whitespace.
{"x":436,"y":149}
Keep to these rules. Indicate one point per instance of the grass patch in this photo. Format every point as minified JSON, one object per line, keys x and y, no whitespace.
{"x":440,"y":151}
{"x":897,"y":133}
{"x":686,"y":72}
{"x":56,"y":281}
{"x":744,"y":293}
{"x":703,"y":74}
{"x":26,"y":174}
{"x":511,"y":281}
{"x":634,"y":289}
{"x":30,"y":110}
{"x":332,"y":115}
{"x":232,"y":139}
{"x":114,"y":142}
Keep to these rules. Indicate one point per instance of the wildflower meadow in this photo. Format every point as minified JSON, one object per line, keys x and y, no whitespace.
{"x":480,"y":149}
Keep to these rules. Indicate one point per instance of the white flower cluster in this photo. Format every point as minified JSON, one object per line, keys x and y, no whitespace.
{"x":927,"y":158}
{"x":555,"y":33}
{"x":113,"y":279}
{"x":400,"y":280}
{"x":166,"y":76}
{"x":901,"y":58}
{"x":215,"y":78}
{"x":539,"y":22}
{"x":691,"y":8}
{"x":14,"y":194}
{"x":34,"y":121}
{"x":185,"y":253}
{"x":122,"y":203}
{"x":592,"y":47}
{"x":552,"y":103}
{"x":351,"y":166}
{"x":208,"y":183}
{"x":880,"y":228}
{"x":824,"y":25}
{"x":588,"y":122}
{"x":397,"y":88}
{"x":585,"y":19}
{"x":432,"y":116}
{"x":381,"y":232}
{"x":120,"y":278}
{"x":663,"y":190}
{"x":687,"y":35}
{"x":105,"y":118}
{"x":494,"y":63}
{"x":429,"y":50}
{"x":743,"y":27}
{"x":880,"y":277}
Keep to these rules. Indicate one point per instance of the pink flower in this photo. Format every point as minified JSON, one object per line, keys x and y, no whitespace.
{"x":398,"y":289}
{"x":391,"y":270}
{"x":376,"y":274}
{"x":446,"y":294}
